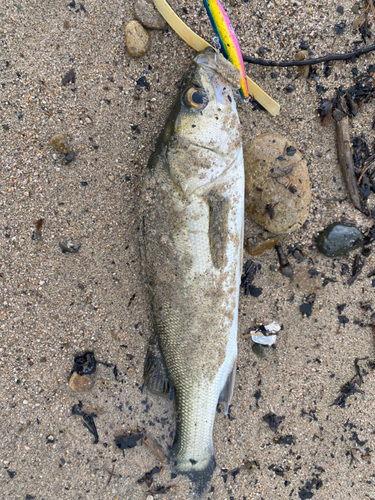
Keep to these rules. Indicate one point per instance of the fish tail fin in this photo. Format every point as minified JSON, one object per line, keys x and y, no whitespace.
{"x":201,"y":479}
{"x":200,"y":473}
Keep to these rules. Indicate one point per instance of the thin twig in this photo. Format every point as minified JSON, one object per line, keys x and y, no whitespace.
{"x":24,"y":427}
{"x":110,"y":474}
{"x":370,"y":3}
{"x":365,"y":170}
{"x":306,"y":62}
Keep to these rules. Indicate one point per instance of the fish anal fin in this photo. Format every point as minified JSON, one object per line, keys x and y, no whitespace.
{"x":218,"y":227}
{"x":154,"y":371}
{"x":227,"y":391}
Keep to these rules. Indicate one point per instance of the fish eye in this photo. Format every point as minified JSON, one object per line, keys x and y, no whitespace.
{"x":195,"y":98}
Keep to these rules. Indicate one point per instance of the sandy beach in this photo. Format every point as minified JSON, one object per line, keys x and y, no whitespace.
{"x":55,"y":305}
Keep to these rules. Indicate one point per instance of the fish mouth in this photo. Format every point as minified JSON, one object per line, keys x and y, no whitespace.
{"x":214,"y":62}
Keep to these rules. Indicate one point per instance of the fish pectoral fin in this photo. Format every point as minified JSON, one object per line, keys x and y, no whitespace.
{"x":218,"y":227}
{"x":227,"y":391}
{"x":154,"y":371}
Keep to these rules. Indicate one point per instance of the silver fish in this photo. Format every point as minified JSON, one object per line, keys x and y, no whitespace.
{"x":193,"y":236}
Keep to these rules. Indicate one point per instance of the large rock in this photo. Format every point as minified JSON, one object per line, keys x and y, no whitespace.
{"x":277,"y":185}
{"x":146,"y":14}
{"x":136,"y":39}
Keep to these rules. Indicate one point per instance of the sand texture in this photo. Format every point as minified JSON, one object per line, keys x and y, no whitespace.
{"x":55,"y":304}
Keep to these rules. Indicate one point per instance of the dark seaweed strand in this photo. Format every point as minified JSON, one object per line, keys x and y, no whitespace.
{"x":329,"y":57}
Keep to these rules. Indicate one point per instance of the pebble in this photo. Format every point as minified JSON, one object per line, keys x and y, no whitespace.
{"x":338,"y":239}
{"x":298,"y":255}
{"x":81,"y":383}
{"x":136,"y":39}
{"x":69,"y":157}
{"x":68,"y":248}
{"x":302,"y":70}
{"x":286,"y":270}
{"x":146,"y":14}
{"x":256,"y":245}
{"x":277,"y":186}
{"x":260,"y":350}
{"x":70,"y":77}
{"x":60,"y":143}
{"x":83,"y":373}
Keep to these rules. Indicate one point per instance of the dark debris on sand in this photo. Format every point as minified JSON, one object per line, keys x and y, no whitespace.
{"x":127,"y":441}
{"x":88,"y":420}
{"x":249,"y":271}
{"x":353,"y":385}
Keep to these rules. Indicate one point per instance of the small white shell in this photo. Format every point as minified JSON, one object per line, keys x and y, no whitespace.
{"x":263,"y":340}
{"x":273,"y":327}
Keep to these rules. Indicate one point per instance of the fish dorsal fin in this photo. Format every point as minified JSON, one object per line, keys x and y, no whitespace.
{"x":227,"y":391}
{"x":154,"y":372}
{"x":218,"y":227}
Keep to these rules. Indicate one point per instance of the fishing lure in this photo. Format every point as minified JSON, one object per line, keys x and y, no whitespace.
{"x":199,"y":45}
{"x":228,"y":40}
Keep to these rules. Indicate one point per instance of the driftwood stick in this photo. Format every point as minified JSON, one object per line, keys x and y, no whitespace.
{"x":345,"y":157}
{"x":155,"y":448}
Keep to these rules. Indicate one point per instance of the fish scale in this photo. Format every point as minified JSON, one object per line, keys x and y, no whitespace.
{"x":198,"y":226}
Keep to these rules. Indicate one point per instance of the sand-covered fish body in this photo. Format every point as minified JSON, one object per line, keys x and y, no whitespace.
{"x":193,"y":232}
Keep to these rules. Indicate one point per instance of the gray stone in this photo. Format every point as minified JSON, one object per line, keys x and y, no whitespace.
{"x":338,"y":239}
{"x":146,"y":13}
{"x":260,"y":350}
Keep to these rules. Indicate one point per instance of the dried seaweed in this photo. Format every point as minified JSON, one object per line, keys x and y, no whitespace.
{"x":249,"y":271}
{"x":285,"y":267}
{"x":273,"y":420}
{"x":351,"y":387}
{"x":88,"y":420}
{"x":346,"y":102}
{"x":127,"y":441}
{"x":147,"y":478}
{"x":357,"y":268}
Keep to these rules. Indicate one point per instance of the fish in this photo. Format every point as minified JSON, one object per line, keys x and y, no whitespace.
{"x":192,"y":234}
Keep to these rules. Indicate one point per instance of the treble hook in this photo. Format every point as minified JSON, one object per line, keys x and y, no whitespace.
{"x":216,"y":45}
